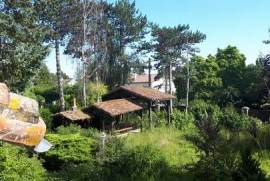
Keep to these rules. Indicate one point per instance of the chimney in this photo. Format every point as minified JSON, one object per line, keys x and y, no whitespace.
{"x":74,"y":108}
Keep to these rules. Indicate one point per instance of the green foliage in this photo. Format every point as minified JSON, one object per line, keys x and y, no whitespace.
{"x":71,"y":172}
{"x":227,"y":141}
{"x":235,"y":121}
{"x":139,"y":163}
{"x":263,"y":156}
{"x":73,"y":129}
{"x":47,"y":117}
{"x":250,"y":168}
{"x":16,"y":165}
{"x":181,"y":119}
{"x":68,"y":148}
{"x":224,"y":79}
{"x":168,"y":45}
{"x":253,"y":92}
{"x":22,"y":49}
{"x":159,"y":118}
{"x":96,"y":91}
{"x":176,"y":149}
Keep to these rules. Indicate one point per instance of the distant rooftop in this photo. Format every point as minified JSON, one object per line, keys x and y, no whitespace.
{"x":143,"y":78}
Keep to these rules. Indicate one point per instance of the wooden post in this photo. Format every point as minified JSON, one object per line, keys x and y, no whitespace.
{"x":168,"y":112}
{"x":150,"y":114}
{"x":141,"y":116}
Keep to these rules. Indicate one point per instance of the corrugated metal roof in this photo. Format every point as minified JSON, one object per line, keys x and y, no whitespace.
{"x":117,"y":107}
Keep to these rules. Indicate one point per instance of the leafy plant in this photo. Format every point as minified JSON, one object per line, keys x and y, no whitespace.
{"x":181,"y":119}
{"x":96,"y":91}
{"x":16,"y":165}
{"x":68,"y":148}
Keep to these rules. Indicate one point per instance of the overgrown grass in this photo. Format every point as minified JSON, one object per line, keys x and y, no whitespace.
{"x":170,"y":141}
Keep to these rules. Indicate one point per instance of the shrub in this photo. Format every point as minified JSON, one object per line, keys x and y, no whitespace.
{"x":181,"y":119}
{"x":250,"y":168}
{"x":235,"y":121}
{"x":70,"y":129}
{"x":68,"y":148}
{"x":159,"y":118}
{"x":73,"y":129}
{"x":16,"y":165}
{"x":96,"y":91}
{"x":47,"y":117}
{"x":77,"y":172}
{"x":139,"y":163}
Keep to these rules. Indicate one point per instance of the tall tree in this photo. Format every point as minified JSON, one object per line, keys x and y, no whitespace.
{"x":205,"y":80}
{"x":128,"y":27}
{"x":55,"y":15}
{"x":112,"y":38}
{"x":169,"y":44}
{"x":232,"y":65}
{"x":21,"y":48}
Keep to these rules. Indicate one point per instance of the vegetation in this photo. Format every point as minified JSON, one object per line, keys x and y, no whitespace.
{"x":212,"y":141}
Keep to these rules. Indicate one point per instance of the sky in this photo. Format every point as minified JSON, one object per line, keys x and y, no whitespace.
{"x":240,"y":23}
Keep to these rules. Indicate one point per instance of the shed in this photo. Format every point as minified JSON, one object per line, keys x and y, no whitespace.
{"x":75,"y":116}
{"x":113,"y":110}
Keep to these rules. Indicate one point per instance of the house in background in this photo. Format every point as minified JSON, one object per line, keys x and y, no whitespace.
{"x":143,"y":81}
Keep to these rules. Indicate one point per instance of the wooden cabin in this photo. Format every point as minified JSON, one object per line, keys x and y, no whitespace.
{"x":108,"y":114}
{"x":147,"y":98}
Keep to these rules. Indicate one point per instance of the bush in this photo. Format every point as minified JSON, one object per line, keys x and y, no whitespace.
{"x":77,"y":172}
{"x":70,"y":129}
{"x":139,"y":163}
{"x":250,"y":168}
{"x":16,"y":165}
{"x":96,"y":91}
{"x":68,"y":148}
{"x":159,"y":118}
{"x":73,"y":129}
{"x":234,"y":121}
{"x":181,"y":119}
{"x":46,"y":116}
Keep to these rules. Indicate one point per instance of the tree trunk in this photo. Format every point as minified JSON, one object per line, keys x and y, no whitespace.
{"x":149,"y":73}
{"x":84,"y":82}
{"x":170,"y":87}
{"x":59,"y":76}
{"x":188,"y":84}
{"x":166,"y":80}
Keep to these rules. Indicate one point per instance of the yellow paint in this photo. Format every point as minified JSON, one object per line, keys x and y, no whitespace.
{"x":14,"y":103}
{"x":34,"y":135}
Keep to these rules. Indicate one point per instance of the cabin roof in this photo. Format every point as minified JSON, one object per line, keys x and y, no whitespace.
{"x":142,"y":92}
{"x":74,"y":115}
{"x":117,"y":107}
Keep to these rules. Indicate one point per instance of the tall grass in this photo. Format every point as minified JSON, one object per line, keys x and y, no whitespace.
{"x":170,"y":141}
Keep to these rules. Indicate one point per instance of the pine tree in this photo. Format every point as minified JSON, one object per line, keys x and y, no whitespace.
{"x":55,"y":16}
{"x":21,"y":43}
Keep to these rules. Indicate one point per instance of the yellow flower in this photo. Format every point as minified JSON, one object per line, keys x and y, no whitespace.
{"x":14,"y":103}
